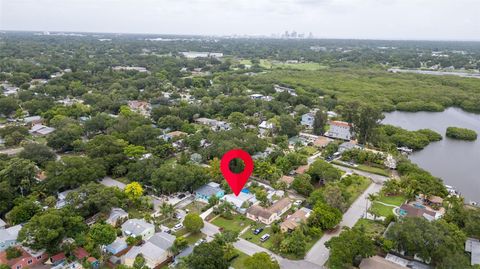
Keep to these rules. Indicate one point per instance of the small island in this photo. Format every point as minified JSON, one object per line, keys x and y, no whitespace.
{"x":461,"y":133}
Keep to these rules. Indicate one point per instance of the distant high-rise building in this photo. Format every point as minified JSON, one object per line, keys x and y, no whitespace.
{"x":310,"y":35}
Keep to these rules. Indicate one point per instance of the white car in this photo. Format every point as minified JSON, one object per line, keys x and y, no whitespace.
{"x":264,"y":237}
{"x":178,"y":227}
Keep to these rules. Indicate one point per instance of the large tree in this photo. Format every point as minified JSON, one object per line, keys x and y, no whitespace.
{"x":324,"y":216}
{"x":208,"y":256}
{"x":102,"y":234}
{"x":38,"y":153}
{"x":319,"y":122}
{"x":437,"y":241}
{"x":72,"y":172}
{"x":193,"y":223}
{"x":261,"y":260}
{"x":349,"y":248}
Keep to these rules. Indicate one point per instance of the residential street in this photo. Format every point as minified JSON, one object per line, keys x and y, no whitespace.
{"x":318,"y":254}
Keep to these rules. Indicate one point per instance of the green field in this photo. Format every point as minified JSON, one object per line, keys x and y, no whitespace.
{"x":365,"y":168}
{"x":237,"y":224}
{"x":372,"y":228}
{"x":192,"y":238}
{"x":237,"y":263}
{"x":269,"y":64}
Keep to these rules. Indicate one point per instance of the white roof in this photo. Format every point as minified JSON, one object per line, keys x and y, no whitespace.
{"x":238,"y":200}
{"x":10,"y":234}
{"x":136,"y":226}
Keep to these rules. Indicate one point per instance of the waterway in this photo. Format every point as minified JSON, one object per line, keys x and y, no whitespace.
{"x":454,"y":161}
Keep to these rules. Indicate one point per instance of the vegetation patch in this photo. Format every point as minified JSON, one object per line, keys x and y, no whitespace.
{"x":461,"y":133}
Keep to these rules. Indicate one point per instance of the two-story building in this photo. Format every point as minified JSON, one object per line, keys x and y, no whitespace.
{"x":156,"y":251}
{"x":339,"y":130}
{"x":28,"y":258}
{"x":270,"y":214}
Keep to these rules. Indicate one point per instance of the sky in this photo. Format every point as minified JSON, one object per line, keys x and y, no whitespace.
{"x":359,"y":19}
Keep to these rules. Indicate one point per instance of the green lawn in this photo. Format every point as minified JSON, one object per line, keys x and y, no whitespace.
{"x":195,"y":207}
{"x":249,"y":236}
{"x":365,"y":168}
{"x":357,"y":188}
{"x":237,"y":263}
{"x":372,"y":228}
{"x":307,"y":66}
{"x":381,"y":210}
{"x":192,"y":238}
{"x":393,"y":200}
{"x":237,"y":224}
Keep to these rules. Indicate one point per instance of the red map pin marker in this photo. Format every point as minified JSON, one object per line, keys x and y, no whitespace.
{"x":236,"y":180}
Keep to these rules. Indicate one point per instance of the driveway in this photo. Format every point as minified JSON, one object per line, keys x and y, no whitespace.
{"x":319,"y":254}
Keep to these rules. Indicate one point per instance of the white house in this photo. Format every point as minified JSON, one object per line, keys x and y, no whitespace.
{"x":308,"y":119}
{"x":239,"y":201}
{"x":8,"y":237}
{"x":339,"y":130}
{"x":265,"y":128}
{"x":41,"y":130}
{"x":271,"y":214}
{"x":138,"y":227}
{"x":155,"y":250}
{"x":216,"y":125}
{"x":116,"y":214}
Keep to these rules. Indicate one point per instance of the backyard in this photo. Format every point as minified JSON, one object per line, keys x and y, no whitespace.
{"x":372,"y":228}
{"x":236,"y":224}
{"x":384,"y":205}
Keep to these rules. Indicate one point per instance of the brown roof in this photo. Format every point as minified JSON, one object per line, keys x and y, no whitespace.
{"x":377,"y":262}
{"x":80,"y":253}
{"x":287,"y":179}
{"x":322,"y":141}
{"x":11,"y":262}
{"x":176,"y":133}
{"x":413,"y":211}
{"x":259,"y":211}
{"x":435,"y":199}
{"x":296,"y":218}
{"x":301,"y":169}
{"x":340,"y":123}
{"x":280,"y":205}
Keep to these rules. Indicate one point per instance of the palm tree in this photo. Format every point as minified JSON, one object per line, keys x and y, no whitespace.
{"x":167,"y":210}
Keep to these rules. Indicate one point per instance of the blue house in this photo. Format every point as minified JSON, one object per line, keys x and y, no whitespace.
{"x":206,"y":191}
{"x":117,"y":246}
{"x":308,"y":119}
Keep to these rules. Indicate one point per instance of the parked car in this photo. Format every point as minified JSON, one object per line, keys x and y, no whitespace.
{"x":298,"y":203}
{"x":264,"y":237}
{"x":257,"y":231}
{"x":181,"y":196}
{"x":201,"y":241}
{"x":178,"y":227}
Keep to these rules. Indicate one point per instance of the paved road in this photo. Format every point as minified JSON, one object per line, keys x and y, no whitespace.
{"x":319,"y":254}
{"x":250,"y":248}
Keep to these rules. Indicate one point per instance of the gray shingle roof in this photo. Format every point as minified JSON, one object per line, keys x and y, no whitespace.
{"x":136,"y":226}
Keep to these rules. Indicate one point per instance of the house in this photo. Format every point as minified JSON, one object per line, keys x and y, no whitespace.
{"x":80,"y":253}
{"x":301,"y":169}
{"x":119,"y":245}
{"x":32,"y":120}
{"x":348,"y":146}
{"x":240,"y":202}
{"x":331,"y":114}
{"x":339,"y":130}
{"x":377,"y":262}
{"x":94,"y":263}
{"x":138,"y":227}
{"x":408,"y":210}
{"x":116,"y":216}
{"x":140,"y":107}
{"x":27,"y":259}
{"x":8,"y":237}
{"x":208,"y":190}
{"x":287,"y":180}
{"x":41,"y":130}
{"x":473,"y":247}
{"x":130,"y":68}
{"x":172,"y":135}
{"x":322,"y":142}
{"x":215,"y":125}
{"x":308,"y":119}
{"x":404,"y":263}
{"x":62,"y":198}
{"x":256,"y":96}
{"x":56,"y":259}
{"x":294,"y":220}
{"x":279,"y":89}
{"x":271,"y":214}
{"x":265,"y":128}
{"x":155,"y":251}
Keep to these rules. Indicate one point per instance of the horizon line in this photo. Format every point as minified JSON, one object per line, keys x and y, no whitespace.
{"x":258,"y":36}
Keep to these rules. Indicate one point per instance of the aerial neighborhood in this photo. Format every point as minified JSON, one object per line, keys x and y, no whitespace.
{"x":111,"y":159}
